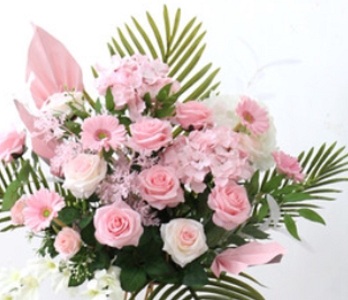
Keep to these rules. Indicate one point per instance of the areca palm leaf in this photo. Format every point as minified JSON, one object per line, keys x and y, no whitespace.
{"x":180,"y":46}
{"x":224,"y":288}
{"x":16,"y":178}
{"x":323,"y":167}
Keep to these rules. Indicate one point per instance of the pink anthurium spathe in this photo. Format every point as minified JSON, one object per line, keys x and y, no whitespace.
{"x":53,"y":68}
{"x":40,"y":146}
{"x":236,"y":260}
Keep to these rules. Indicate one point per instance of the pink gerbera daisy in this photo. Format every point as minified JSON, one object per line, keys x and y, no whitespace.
{"x":102,"y":132}
{"x":288,"y":165}
{"x":41,"y":208}
{"x":252,"y":115}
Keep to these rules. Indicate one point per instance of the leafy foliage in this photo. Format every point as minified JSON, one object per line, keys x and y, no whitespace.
{"x":323,"y":168}
{"x":180,"y":46}
{"x":224,"y":288}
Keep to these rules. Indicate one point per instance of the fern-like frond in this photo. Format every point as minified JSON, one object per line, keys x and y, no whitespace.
{"x":179,"y":45}
{"x":224,"y":288}
{"x":21,"y":176}
{"x":324,"y":167}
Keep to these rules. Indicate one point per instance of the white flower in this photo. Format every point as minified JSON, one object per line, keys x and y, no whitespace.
{"x":260,"y":147}
{"x":223,"y":108}
{"x":61,"y":103}
{"x":29,"y":289}
{"x":105,"y":285}
{"x":184,"y":240}
{"x":83,"y":174}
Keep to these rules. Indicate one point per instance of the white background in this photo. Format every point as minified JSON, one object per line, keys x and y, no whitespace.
{"x":307,"y":95}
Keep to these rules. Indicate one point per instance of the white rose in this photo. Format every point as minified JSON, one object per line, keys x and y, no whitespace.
{"x":83,"y":174}
{"x":60,"y":103}
{"x":184,"y":240}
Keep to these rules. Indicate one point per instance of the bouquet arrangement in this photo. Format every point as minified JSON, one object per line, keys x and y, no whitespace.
{"x":157,"y":183}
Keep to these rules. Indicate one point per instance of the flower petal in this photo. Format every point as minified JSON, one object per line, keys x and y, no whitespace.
{"x":40,"y":146}
{"x":54,"y":69}
{"x":236,"y":260}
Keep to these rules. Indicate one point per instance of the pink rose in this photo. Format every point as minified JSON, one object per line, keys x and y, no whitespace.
{"x":288,"y":165}
{"x":83,"y":174}
{"x":67,"y":242}
{"x":160,"y":187}
{"x":118,"y":225}
{"x":17,"y":217}
{"x":193,"y":113}
{"x":231,"y":205}
{"x":184,"y":240}
{"x":150,"y":134}
{"x":11,"y":143}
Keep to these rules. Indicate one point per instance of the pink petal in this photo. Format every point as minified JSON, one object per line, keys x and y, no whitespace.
{"x":40,"y":146}
{"x":54,"y":69}
{"x":236,"y":260}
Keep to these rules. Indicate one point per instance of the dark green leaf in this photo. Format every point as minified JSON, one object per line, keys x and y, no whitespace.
{"x":256,"y":233}
{"x":195,"y":275}
{"x":85,"y":221}
{"x":68,"y":215}
{"x":132,"y":278}
{"x":291,"y":226}
{"x":87,"y":234}
{"x":311,"y":215}
{"x":101,"y":261}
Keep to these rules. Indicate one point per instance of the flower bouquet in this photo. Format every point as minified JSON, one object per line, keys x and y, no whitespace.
{"x":157,"y":185}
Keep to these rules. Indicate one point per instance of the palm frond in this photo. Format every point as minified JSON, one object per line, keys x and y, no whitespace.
{"x":18,"y":177}
{"x":324,"y":167}
{"x":223,"y":288}
{"x":179,"y":45}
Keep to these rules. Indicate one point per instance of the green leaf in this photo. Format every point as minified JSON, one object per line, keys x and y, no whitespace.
{"x":101,"y":261}
{"x":291,"y":226}
{"x":195,"y":275}
{"x":85,"y":220}
{"x":255,"y":232}
{"x":311,"y":215}
{"x":68,"y":215}
{"x":109,"y":100}
{"x":87,"y":234}
{"x":132,"y":278}
{"x":11,"y":195}
{"x":294,"y":197}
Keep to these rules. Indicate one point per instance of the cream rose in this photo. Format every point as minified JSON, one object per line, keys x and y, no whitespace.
{"x":184,"y":240}
{"x":83,"y":174}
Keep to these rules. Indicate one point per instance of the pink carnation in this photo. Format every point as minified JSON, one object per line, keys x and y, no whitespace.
{"x":150,"y":134}
{"x":160,"y":187}
{"x":252,"y":115}
{"x":41,"y":208}
{"x":11,"y":143}
{"x":117,"y":225}
{"x":231,"y":205}
{"x":288,"y":165}
{"x":102,"y":132}
{"x":193,"y":113}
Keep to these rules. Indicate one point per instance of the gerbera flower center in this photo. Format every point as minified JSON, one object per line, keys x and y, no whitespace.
{"x":102,"y":135}
{"x":46,"y":213}
{"x":248,"y":117}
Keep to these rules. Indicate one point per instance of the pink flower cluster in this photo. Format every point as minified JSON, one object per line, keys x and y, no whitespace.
{"x":131,"y":78}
